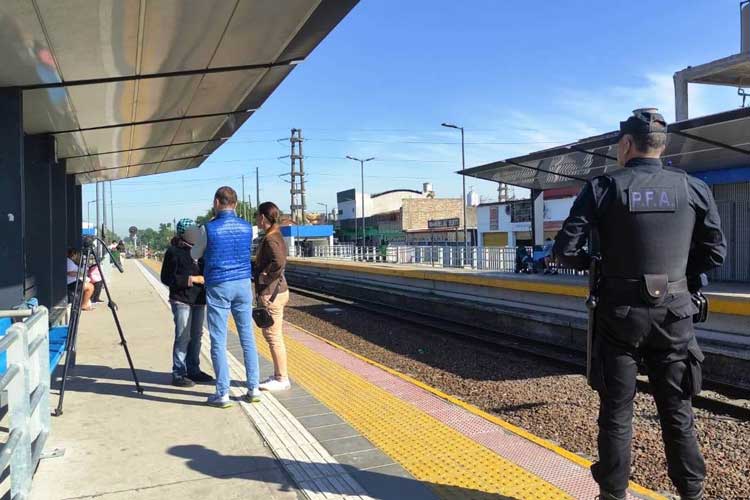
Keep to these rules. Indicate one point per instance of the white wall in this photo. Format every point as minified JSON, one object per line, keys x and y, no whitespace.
{"x":390,"y":202}
{"x":557,"y":210}
{"x":554,"y":211}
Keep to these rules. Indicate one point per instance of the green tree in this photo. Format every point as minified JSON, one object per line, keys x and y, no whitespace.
{"x":156,"y":239}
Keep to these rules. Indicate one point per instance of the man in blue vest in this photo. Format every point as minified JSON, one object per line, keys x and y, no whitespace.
{"x":225,"y":243}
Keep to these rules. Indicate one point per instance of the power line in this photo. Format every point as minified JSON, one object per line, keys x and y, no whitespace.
{"x":405,"y":141}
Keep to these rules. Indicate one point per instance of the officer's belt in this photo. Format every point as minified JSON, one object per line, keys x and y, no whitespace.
{"x":630,"y":290}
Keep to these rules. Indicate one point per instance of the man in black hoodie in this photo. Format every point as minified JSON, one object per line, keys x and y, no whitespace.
{"x":187,"y":295}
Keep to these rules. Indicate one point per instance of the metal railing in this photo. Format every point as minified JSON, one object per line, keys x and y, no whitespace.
{"x":27,"y":380}
{"x":497,"y":259}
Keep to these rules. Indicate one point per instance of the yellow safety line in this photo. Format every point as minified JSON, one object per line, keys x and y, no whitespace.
{"x":337,"y":388}
{"x":717,"y":303}
{"x":487,"y":416}
{"x":452,"y":464}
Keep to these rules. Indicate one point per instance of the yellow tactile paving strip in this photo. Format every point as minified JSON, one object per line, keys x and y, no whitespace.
{"x":454,"y":465}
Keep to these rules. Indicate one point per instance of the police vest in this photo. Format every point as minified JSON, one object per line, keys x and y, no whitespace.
{"x":227,"y":255}
{"x":647,"y":226}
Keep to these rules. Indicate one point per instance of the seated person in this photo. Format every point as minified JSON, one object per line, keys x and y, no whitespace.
{"x":95,"y":278}
{"x":524,"y":262}
{"x":549,"y":262}
{"x":72,"y":275}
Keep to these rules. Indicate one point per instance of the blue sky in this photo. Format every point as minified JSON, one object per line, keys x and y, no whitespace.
{"x":519,"y":76}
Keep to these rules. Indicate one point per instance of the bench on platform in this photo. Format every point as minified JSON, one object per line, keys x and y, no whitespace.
{"x":58,"y":337}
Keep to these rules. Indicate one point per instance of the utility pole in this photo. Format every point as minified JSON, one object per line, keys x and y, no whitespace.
{"x":257,"y":187}
{"x":98,"y":205}
{"x":244,"y":207}
{"x":104,"y":210}
{"x":297,"y":190}
{"x":502,"y":192}
{"x":111,"y":208}
{"x":302,"y":175}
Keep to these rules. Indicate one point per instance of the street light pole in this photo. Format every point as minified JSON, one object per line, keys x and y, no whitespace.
{"x":88,"y":211}
{"x":362,"y":174}
{"x":463,"y":200}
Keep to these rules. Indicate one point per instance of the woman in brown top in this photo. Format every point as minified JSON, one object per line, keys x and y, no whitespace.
{"x":272,"y":291}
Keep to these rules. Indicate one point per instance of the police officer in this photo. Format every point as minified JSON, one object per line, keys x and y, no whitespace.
{"x":658,"y":230}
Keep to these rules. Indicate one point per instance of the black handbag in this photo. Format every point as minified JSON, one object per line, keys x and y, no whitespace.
{"x":261,"y":316}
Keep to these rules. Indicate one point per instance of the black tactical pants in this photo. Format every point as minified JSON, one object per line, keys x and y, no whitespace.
{"x":663,"y":338}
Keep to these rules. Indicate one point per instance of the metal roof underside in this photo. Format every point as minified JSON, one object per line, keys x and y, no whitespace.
{"x":731,"y":71}
{"x":141,"y":87}
{"x":697,"y":145}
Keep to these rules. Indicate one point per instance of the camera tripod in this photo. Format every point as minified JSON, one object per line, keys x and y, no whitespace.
{"x":88,"y":257}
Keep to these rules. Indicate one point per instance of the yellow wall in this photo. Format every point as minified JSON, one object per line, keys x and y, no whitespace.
{"x":499,"y":239}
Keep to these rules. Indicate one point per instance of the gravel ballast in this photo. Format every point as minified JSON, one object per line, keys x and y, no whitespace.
{"x":538,"y":395}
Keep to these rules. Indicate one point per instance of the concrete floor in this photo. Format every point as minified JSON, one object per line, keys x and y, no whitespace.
{"x":163,"y":444}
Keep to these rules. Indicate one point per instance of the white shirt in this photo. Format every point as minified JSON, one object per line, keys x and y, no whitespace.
{"x":199,"y":238}
{"x":71,"y":268}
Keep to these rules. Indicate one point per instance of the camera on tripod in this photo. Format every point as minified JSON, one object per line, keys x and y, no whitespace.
{"x":89,"y":256}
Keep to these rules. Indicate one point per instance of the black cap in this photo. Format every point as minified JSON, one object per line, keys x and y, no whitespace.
{"x":644,"y":121}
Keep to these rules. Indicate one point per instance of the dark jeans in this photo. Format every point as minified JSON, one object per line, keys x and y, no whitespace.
{"x":188,"y":328}
{"x":663,"y":338}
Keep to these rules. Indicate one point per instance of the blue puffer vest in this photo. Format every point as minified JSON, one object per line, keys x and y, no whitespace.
{"x":227,"y":255}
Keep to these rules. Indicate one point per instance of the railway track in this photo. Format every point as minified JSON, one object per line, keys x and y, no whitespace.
{"x":717,"y":398}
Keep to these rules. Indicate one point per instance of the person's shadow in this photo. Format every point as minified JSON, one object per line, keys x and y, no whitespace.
{"x":211,"y":463}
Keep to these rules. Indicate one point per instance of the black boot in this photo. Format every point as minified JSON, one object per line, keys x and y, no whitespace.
{"x":607,"y":495}
{"x":697,"y":496}
{"x":182,"y":382}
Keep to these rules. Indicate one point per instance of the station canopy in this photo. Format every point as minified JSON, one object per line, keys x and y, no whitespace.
{"x":139,"y":87}
{"x":697,"y":145}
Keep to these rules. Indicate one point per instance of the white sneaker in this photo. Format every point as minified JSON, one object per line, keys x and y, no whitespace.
{"x":252,"y":396}
{"x":275,"y":385}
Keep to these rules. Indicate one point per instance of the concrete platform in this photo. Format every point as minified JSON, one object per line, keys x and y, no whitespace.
{"x":163,"y":444}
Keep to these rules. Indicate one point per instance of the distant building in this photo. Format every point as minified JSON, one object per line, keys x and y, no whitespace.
{"x":401,"y":216}
{"x":501,"y":224}
{"x":380,"y":209}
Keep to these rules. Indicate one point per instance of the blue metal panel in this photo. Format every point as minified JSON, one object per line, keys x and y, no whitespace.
{"x":724,"y":176}
{"x":12,"y":194}
{"x":318,"y":231}
{"x":40,"y":234}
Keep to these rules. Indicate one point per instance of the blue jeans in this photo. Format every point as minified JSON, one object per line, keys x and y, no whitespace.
{"x":232,"y":296}
{"x":188,"y":328}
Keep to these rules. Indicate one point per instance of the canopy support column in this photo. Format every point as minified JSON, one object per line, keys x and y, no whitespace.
{"x":537,"y":217}
{"x":12,"y":210}
{"x":39,"y":161}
